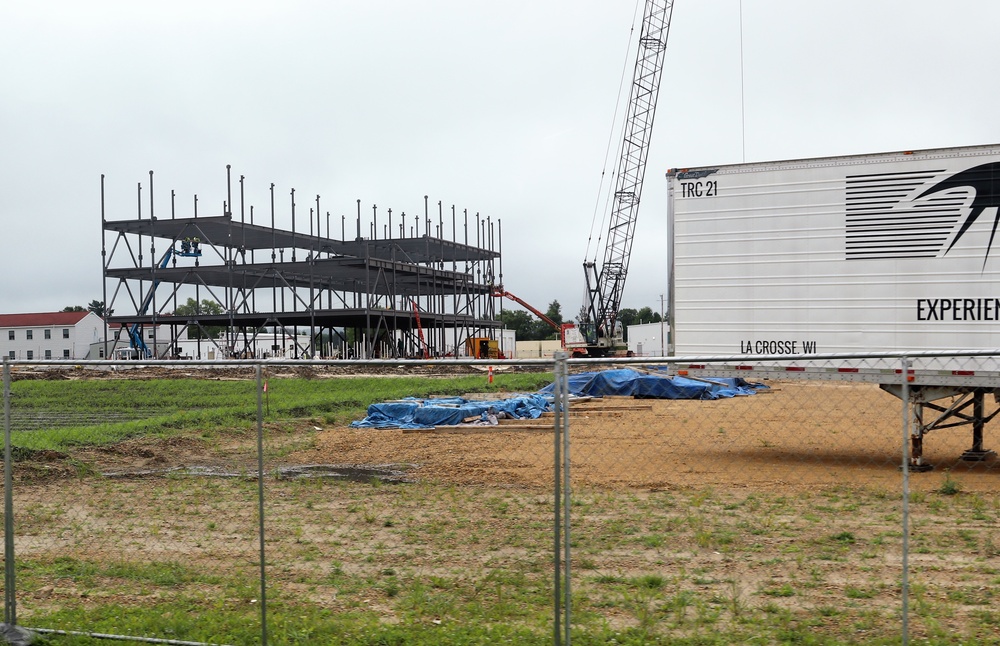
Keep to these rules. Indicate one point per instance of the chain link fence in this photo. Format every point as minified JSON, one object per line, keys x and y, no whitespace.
{"x":780,"y":516}
{"x":236,"y":503}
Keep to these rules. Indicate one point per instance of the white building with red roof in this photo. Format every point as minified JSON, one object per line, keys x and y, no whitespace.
{"x":50,"y":335}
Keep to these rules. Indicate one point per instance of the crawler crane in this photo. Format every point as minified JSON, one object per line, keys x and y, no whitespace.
{"x":602,"y":332}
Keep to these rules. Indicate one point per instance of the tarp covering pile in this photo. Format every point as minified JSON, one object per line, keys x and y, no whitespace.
{"x":450,"y":411}
{"x":16,"y":635}
{"x":631,"y":383}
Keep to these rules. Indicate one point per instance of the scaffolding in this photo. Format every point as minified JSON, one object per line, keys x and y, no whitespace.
{"x":415,"y":294}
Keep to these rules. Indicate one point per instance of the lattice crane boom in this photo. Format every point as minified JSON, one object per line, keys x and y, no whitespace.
{"x":605,"y":285}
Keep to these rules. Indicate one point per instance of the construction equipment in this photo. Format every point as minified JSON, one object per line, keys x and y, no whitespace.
{"x":135,"y":341}
{"x":139,"y":349}
{"x":569,"y":336}
{"x":500,"y":292}
{"x":424,"y":352}
{"x":482,"y":347}
{"x":602,"y":332}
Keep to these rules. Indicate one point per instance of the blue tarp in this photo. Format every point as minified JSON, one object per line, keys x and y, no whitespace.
{"x":631,"y":383}
{"x":449,"y":411}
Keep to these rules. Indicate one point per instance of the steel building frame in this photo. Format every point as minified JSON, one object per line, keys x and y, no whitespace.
{"x":411,"y":295}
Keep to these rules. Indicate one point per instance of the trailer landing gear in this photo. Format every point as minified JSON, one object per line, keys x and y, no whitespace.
{"x":977,"y":453}
{"x":955,"y":414}
{"x":917,"y":463}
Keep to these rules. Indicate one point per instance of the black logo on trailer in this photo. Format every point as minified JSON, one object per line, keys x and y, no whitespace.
{"x":897,"y":215}
{"x":985,"y":181}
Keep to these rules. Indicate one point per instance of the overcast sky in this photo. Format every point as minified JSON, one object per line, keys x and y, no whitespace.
{"x":501,"y":108}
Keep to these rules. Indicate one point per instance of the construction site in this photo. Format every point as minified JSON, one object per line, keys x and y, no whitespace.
{"x":400,"y":287}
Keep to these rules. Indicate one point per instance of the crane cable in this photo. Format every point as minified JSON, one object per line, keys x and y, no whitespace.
{"x":607,"y":151}
{"x":743,"y":99}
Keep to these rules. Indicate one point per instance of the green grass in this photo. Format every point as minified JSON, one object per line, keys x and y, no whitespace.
{"x":334,"y":577}
{"x":57,"y":415}
{"x":949,"y":486}
{"x":363,"y":563}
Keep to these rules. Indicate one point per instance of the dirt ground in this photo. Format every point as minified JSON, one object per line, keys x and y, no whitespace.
{"x":793,"y":434}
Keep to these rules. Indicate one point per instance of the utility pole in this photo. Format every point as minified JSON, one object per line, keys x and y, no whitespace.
{"x":662,"y":347}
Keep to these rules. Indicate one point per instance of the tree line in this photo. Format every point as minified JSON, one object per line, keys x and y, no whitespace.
{"x":190,"y":308}
{"x":528,"y":327}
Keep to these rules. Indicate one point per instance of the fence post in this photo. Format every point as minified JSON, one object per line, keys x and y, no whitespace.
{"x":260,"y":505}
{"x":557,"y":507}
{"x":905,"y":585}
{"x":567,"y":505}
{"x":561,"y":523}
{"x":10,"y":598}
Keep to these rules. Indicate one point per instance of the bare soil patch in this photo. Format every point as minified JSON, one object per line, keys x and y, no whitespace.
{"x":795,"y":434}
{"x":803,"y":434}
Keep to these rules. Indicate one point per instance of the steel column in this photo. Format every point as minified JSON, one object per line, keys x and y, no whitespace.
{"x":10,"y":597}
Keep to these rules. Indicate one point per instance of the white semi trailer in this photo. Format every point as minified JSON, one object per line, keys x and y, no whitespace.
{"x":858,"y":255}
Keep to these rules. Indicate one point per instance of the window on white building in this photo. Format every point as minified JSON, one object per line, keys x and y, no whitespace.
{"x":10,"y":335}
{"x":29,"y":334}
{"x":48,"y":354}
{"x":65,"y":332}
{"x":31,"y":354}
{"x":11,"y":354}
{"x":65,"y":354}
{"x":48,"y":334}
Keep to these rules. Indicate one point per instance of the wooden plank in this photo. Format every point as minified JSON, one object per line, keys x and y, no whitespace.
{"x":587,"y":410}
{"x":479,"y":430}
{"x":589,"y":413}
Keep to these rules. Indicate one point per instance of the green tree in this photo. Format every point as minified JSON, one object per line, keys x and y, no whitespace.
{"x":629,"y":316}
{"x":97,"y":307}
{"x":73,"y":308}
{"x":528,"y":327}
{"x":520,"y":321}
{"x":555,"y":312}
{"x":647,"y":315}
{"x":205,"y":307}
{"x":545,"y":331}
